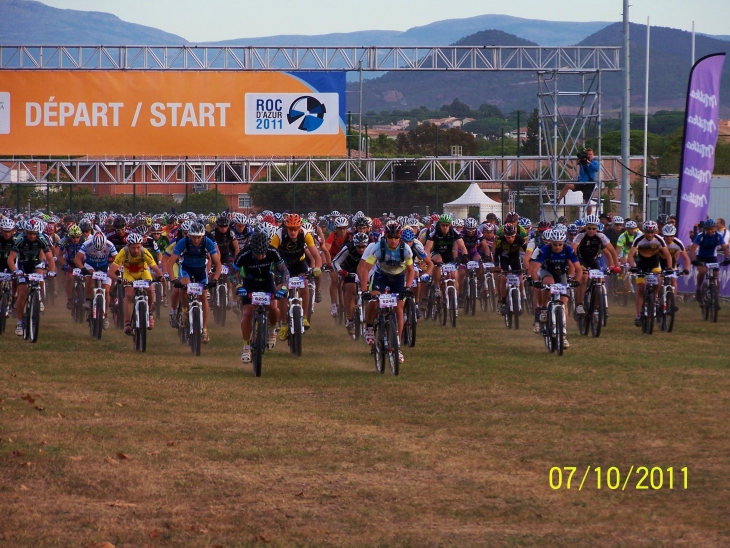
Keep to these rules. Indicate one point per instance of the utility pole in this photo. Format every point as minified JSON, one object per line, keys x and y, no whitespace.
{"x":625,"y":121}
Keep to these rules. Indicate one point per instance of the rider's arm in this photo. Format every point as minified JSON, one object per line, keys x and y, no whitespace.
{"x":426,"y":264}
{"x":283,"y":272}
{"x":216,"y":260}
{"x":610,"y":252}
{"x":692,"y":251}
{"x":171,"y":260}
{"x":50,"y":263}
{"x":363,"y":271}
{"x":410,"y":274}
{"x":309,"y":242}
{"x":12,"y":257}
{"x":632,"y":252}
{"x":666,"y":255}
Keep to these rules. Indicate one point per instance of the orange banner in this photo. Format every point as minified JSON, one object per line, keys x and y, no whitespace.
{"x":167,"y":113}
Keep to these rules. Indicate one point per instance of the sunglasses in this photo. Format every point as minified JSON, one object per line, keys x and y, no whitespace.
{"x":557,"y":244}
{"x":591,"y":228}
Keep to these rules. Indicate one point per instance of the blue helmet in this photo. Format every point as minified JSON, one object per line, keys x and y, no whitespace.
{"x":709,"y":223}
{"x":408,"y":235}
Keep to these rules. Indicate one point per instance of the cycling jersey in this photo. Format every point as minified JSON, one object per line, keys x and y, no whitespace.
{"x":590,"y":247}
{"x":443,"y":244}
{"x":554,"y":262}
{"x":6,"y":246}
{"x":135,"y":268}
{"x":243,"y":236}
{"x":119,"y":240}
{"x":261,"y":271}
{"x":520,"y":232}
{"x":151,"y":245}
{"x":347,"y":259}
{"x":647,"y":249}
{"x":707,"y":245}
{"x":98,"y":259}
{"x":194,"y":256}
{"x":625,"y":241}
{"x":386,"y":260}
{"x":69,"y":250}
{"x":292,"y":250}
{"x":336,"y":243}
{"x":224,"y":240}
{"x":29,"y":253}
{"x":472,"y":242}
{"x":675,"y":248}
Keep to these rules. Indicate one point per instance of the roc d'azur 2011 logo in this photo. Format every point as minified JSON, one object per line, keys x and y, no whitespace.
{"x":309,"y":110}
{"x":292,"y":114}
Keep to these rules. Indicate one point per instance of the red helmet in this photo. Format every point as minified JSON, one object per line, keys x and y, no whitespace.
{"x":377,"y":223}
{"x":542,"y":226}
{"x":268,"y":218}
{"x":509,"y":230}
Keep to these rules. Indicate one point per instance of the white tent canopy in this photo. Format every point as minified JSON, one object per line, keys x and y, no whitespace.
{"x":473,"y":197}
{"x":574,"y":198}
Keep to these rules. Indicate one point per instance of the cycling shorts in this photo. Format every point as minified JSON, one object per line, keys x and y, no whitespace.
{"x":252,"y":286}
{"x":510,"y":263}
{"x":559,"y":278}
{"x":196,"y":275}
{"x":298,"y":268}
{"x":134,"y":276}
{"x":394,"y":284}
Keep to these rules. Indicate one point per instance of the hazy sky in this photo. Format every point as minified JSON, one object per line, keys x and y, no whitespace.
{"x":201,"y":20}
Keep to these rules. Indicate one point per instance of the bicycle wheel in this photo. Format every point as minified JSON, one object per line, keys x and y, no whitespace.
{"x":704,"y":303}
{"x":548,"y":333}
{"x":35,"y":316}
{"x":257,"y":348}
{"x":597,"y":312}
{"x":3,"y":310}
{"x":51,"y":291}
{"x":310,"y":308}
{"x":527,"y":301}
{"x":584,"y":320}
{"x":393,"y":346}
{"x":516,"y":307}
{"x":559,"y":328}
{"x":473,"y":295}
{"x":296,"y":333}
{"x":603,"y":302}
{"x":77,"y":311}
{"x":453,"y":305}
{"x":222,"y":294}
{"x":118,"y":302}
{"x":358,"y":322}
{"x":97,"y":319}
{"x":182,"y":324}
{"x":508,"y":316}
{"x":668,"y":318}
{"x":714,"y":303}
{"x":141,"y":332}
{"x":442,"y":311}
{"x":431,"y":303}
{"x":492,"y":294}
{"x":158,"y":300}
{"x":410,"y":315}
{"x":380,"y":347}
{"x":649,"y":311}
{"x":483,"y":298}
{"x":197,"y":331}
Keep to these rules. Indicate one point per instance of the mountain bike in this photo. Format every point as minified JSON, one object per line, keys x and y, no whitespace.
{"x":219,"y":298}
{"x":710,"y":293}
{"x":259,"y":329}
{"x":78,"y":295}
{"x":622,"y":288}
{"x":410,"y":321}
{"x":449,"y":301}
{"x":32,"y":311}
{"x":295,"y":315}
{"x":97,"y":312}
{"x":140,"y":315}
{"x":471,"y":295}
{"x":157,"y":292}
{"x":648,"y":306}
{"x":117,"y":301}
{"x":195,"y":316}
{"x":594,"y":305}
{"x":488,"y":293}
{"x":513,"y":309}
{"x":666,"y":304}
{"x":385,"y":328}
{"x":553,"y":330}
{"x":433,"y":300}
{"x":6,"y":298}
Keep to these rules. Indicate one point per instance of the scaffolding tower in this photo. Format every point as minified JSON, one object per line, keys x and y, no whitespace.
{"x":569,"y":111}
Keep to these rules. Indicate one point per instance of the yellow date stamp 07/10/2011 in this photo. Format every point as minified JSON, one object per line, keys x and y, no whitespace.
{"x":613,"y":478}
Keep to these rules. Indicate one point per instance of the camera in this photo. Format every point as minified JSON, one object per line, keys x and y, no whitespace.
{"x":583,"y":158}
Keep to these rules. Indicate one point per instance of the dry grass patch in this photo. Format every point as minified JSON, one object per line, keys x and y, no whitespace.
{"x":168,"y":449}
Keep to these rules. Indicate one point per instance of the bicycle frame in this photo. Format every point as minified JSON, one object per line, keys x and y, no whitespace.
{"x":140,"y":296}
{"x":195,"y":307}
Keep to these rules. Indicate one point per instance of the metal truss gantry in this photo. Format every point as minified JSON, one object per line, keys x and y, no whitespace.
{"x":533,"y":172}
{"x":569,"y":110}
{"x":349,"y":58}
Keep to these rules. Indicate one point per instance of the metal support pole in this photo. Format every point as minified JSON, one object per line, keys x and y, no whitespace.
{"x":48,"y":199}
{"x":600,"y":144}
{"x":554,"y":155}
{"x":216,"y":198}
{"x":518,"y":134}
{"x":625,"y":120}
{"x":349,"y":199}
{"x":359,"y":125}
{"x":71,"y":199}
{"x":438,"y":210}
{"x":436,"y":148}
{"x":134,"y":199}
{"x":186,"y":196}
{"x":294,"y":198}
{"x":502,"y":131}
{"x":349,"y":132}
{"x":17,"y":198}
{"x":646,"y":122}
{"x":367,"y":199}
{"x":693,"y":43}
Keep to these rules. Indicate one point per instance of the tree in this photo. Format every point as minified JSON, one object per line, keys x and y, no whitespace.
{"x":531,"y":146}
{"x":383,"y":146}
{"x":422,"y":141}
{"x":457,"y":109}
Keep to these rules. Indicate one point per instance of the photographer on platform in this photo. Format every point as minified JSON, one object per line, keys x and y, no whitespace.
{"x":587,"y":178}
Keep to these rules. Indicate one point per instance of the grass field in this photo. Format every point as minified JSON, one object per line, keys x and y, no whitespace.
{"x":102,"y":445}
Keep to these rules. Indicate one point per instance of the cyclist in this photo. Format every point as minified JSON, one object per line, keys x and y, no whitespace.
{"x":553,"y":264}
{"x":7,"y":241}
{"x":391,"y":262}
{"x":704,"y":250}
{"x":192,"y":252}
{"x":345,"y":265}
{"x":442,"y":243}
{"x":422,"y":263}
{"x":30,"y":254}
{"x":225,"y":240}
{"x":95,"y":254}
{"x":119,"y":236}
{"x":588,"y":246}
{"x":261,"y":267}
{"x":676,"y":250}
{"x":507,"y":250}
{"x":476,"y":247}
{"x":291,"y":242}
{"x":67,"y":250}
{"x":626,"y":240}
{"x":331,"y":247}
{"x":137,"y":262}
{"x":650,"y":247}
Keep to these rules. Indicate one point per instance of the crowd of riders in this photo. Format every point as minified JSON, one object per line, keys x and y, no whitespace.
{"x":359,"y":258}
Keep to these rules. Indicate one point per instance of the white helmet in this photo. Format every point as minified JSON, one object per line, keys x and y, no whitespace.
{"x":557,"y":236}
{"x":592,"y":220}
{"x":134,"y":238}
{"x":7,"y":224}
{"x":341,"y":222}
{"x":99,"y":240}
